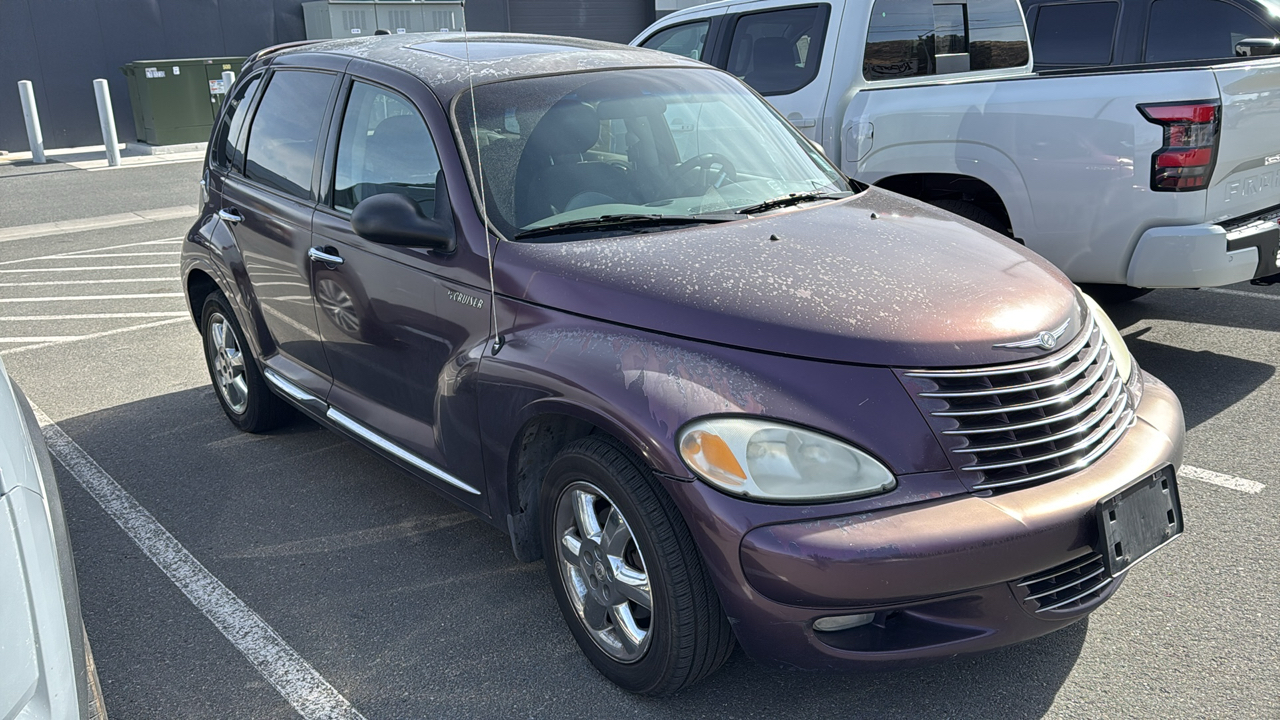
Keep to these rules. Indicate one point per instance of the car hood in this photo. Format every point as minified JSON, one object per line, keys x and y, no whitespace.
{"x":874,"y":279}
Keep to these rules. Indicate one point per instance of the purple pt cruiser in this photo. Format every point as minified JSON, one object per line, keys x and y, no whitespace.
{"x":610,"y":301}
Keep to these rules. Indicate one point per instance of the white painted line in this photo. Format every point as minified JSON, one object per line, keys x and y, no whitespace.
{"x":91,"y":297}
{"x":99,"y":281}
{"x":26,"y":232}
{"x":96,"y":335}
{"x":296,"y":680}
{"x":106,"y":255}
{"x":1242,"y":293}
{"x":1217,"y":478}
{"x":94,"y":316}
{"x":91,"y":267}
{"x":73,"y":253}
{"x":42,"y":339}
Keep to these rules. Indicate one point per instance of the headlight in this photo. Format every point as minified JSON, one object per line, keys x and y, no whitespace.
{"x":1119,"y":351}
{"x":770,"y":461}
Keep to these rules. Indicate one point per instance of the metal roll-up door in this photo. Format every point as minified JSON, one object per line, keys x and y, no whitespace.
{"x":613,"y":20}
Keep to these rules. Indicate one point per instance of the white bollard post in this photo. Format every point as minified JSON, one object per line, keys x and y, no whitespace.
{"x":35,"y":138}
{"x":107,"y":118}
{"x":228,"y":79}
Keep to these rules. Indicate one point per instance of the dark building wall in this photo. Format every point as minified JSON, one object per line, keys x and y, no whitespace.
{"x":62,"y":45}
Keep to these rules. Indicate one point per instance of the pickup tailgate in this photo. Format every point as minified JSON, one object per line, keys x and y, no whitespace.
{"x":1246,"y":177}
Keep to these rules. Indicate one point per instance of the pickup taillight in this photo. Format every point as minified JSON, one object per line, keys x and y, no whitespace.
{"x":1190,"y":144}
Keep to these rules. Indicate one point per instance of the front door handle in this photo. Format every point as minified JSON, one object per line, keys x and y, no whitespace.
{"x":318,"y":255}
{"x":230,"y":216}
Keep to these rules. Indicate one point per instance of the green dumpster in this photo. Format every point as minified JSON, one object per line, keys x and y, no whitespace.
{"x":175,"y":101}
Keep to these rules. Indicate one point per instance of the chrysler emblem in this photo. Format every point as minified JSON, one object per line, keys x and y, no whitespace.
{"x":1046,"y":339}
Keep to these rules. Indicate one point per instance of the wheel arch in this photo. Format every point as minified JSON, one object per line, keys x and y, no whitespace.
{"x":199,"y":286}
{"x":936,"y":186}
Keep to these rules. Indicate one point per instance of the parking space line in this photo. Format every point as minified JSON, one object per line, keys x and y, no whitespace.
{"x":40,"y":339}
{"x":90,"y":267}
{"x":1221,"y":479}
{"x":94,"y":336}
{"x":125,"y":296}
{"x":26,"y":232}
{"x":99,"y":281}
{"x":81,"y":253}
{"x":295,"y":679}
{"x":107,"y":255}
{"x":95,"y":316}
{"x":1242,"y":293}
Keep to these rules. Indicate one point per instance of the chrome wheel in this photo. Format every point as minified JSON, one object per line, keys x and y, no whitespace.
{"x":603,"y":571}
{"x":337,"y":304}
{"x":227,"y":360}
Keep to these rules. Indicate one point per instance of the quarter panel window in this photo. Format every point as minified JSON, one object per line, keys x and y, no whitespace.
{"x":915,"y":38}
{"x":228,"y":147}
{"x":689,"y":39}
{"x":778,"y":52}
{"x":384,"y":147}
{"x":286,"y":130}
{"x":1075,"y":33}
{"x":1198,"y":30}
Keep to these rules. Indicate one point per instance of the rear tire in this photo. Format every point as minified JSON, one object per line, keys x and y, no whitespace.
{"x":969,"y":211}
{"x":608,"y":529}
{"x":237,"y":381}
{"x":1113,"y":294}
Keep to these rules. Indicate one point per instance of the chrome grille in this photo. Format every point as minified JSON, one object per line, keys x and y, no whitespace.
{"x":1030,"y":421}
{"x":1069,"y":586}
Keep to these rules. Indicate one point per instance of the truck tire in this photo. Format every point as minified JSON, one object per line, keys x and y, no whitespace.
{"x":1113,"y":294}
{"x":972,"y":212}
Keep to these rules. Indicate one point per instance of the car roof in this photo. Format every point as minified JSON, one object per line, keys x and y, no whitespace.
{"x":441,"y":59}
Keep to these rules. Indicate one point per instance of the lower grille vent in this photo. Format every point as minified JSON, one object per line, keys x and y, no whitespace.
{"x":1067,"y":587}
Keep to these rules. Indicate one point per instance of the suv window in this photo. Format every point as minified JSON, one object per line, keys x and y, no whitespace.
{"x":1198,"y":30}
{"x":1075,"y":33}
{"x":688,"y":40}
{"x":227,"y":151}
{"x":286,"y":130}
{"x":384,"y":147}
{"x":913,"y":38}
{"x":778,"y":52}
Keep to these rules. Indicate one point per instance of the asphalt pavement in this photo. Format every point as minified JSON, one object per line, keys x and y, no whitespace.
{"x":411,"y":608}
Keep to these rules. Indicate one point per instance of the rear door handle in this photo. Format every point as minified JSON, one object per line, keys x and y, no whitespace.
{"x":230,"y":216}
{"x":318,"y":255}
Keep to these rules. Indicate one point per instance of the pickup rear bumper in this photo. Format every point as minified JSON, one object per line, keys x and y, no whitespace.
{"x":1207,"y":255}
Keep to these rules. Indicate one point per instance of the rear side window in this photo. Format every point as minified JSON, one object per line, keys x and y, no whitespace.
{"x":916,"y":38}
{"x":228,"y":147}
{"x":1198,"y":30}
{"x":778,"y":52}
{"x":1075,"y":33}
{"x":384,"y":147}
{"x":689,"y":40}
{"x":286,"y":131}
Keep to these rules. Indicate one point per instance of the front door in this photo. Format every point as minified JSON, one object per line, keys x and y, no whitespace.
{"x":398,"y":332}
{"x":269,"y":209}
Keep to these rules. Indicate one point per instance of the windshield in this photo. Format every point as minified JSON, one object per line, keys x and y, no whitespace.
{"x":670,"y":142}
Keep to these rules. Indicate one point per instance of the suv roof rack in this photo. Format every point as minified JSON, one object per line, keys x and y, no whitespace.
{"x":275,"y":49}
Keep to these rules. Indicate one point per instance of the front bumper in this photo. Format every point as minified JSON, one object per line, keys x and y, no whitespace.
{"x":1207,"y":255}
{"x":940,"y":577}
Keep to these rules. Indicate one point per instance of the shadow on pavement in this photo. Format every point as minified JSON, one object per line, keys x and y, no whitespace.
{"x":408,"y":605}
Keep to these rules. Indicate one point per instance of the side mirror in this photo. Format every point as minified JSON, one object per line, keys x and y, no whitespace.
{"x":1253,"y":47}
{"x":395,"y":219}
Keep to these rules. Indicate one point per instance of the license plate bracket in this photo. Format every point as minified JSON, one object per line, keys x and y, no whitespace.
{"x":1138,"y":520}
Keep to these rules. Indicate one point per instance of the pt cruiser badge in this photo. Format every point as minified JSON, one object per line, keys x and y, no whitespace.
{"x":1046,"y":339}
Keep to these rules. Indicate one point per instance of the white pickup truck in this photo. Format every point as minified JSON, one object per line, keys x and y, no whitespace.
{"x":1126,"y":176}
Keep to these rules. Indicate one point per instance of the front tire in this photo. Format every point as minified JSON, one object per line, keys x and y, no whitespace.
{"x":626,"y":574}
{"x":239,"y":385}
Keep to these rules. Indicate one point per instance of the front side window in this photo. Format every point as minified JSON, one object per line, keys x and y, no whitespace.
{"x":665,"y":143}
{"x":384,"y":147}
{"x":1075,"y":34}
{"x":286,"y":130}
{"x":228,"y":148}
{"x":916,"y":38}
{"x":1199,"y":30}
{"x":688,"y":40}
{"x":778,"y":52}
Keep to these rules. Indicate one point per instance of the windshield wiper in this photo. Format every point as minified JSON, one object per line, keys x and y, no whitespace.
{"x":617,"y":222}
{"x":791,"y":199}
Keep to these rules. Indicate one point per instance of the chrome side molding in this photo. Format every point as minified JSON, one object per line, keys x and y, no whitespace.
{"x":355,"y":428}
{"x":295,"y":393}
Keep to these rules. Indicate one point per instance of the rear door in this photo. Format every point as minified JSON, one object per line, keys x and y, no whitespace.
{"x":268,"y":207}
{"x":401,"y":326}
